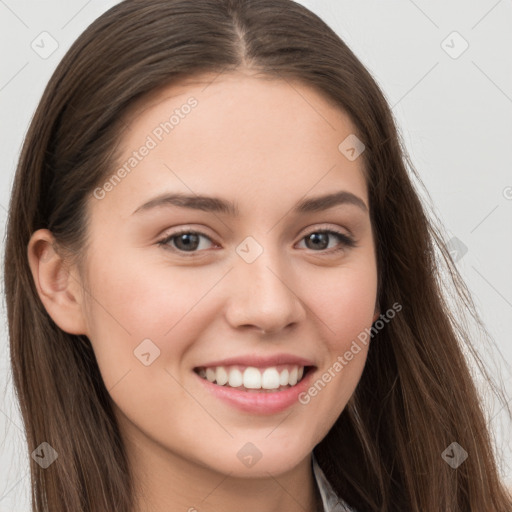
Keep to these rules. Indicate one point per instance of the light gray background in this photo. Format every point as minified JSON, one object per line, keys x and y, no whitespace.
{"x":455,"y":115}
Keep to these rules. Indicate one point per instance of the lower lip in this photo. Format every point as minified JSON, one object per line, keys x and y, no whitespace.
{"x":259,"y":402}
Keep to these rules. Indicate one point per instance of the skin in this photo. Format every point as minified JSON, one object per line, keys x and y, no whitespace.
{"x":265,"y":144}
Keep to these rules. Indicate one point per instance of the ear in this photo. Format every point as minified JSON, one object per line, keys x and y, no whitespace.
{"x":58,"y":286}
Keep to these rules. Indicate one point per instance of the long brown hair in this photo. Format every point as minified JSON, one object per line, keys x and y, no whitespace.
{"x":416,"y":394}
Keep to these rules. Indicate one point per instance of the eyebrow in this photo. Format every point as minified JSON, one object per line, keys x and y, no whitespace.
{"x":218,"y":205}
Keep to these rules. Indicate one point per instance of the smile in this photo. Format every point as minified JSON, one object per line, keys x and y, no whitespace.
{"x":251,"y":378}
{"x":256,"y":400}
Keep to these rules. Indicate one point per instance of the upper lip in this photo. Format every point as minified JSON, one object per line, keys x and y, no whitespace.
{"x":260,"y":361}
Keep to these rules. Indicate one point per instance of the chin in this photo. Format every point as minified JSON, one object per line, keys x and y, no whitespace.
{"x":256,"y":459}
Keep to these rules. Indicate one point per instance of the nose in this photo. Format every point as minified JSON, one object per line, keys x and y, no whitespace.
{"x":264,"y":295}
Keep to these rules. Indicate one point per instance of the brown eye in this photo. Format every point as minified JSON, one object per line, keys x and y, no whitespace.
{"x":319,"y":240}
{"x":183,"y":241}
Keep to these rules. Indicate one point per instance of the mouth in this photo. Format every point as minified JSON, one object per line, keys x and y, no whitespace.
{"x":252,"y":379}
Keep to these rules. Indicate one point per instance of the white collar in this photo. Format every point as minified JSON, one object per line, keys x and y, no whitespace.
{"x":330,"y":500}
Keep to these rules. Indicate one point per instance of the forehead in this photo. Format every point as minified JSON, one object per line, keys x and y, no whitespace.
{"x":236,"y":133}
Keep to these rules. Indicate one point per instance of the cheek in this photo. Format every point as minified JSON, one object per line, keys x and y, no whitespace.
{"x":343,"y":301}
{"x":344,"y":306}
{"x":129,"y":303}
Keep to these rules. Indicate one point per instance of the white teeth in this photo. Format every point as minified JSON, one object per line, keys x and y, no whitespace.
{"x":235,"y":378}
{"x":292,"y":379}
{"x":270,"y":379}
{"x":253,"y":378}
{"x":222,"y":376}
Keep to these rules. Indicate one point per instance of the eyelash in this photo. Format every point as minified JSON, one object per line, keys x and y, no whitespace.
{"x":346,"y":241}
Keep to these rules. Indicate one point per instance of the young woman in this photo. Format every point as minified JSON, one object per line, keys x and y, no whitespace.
{"x":223,"y":290}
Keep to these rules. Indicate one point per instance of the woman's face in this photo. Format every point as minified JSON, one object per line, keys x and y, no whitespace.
{"x":253,"y":286}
